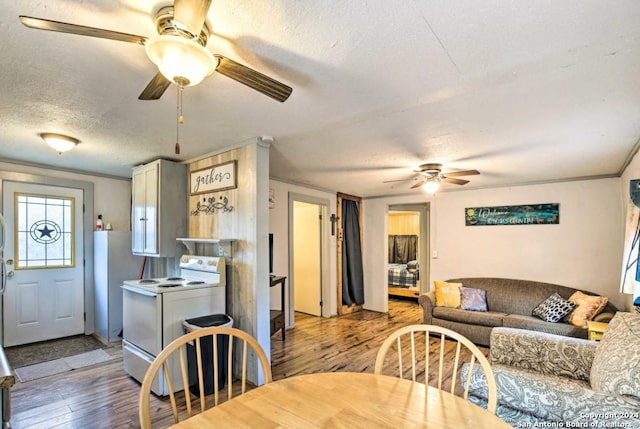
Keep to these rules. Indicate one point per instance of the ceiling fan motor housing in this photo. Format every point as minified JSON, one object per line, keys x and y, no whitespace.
{"x":431,"y":170}
{"x":180,"y":55}
{"x":165,"y":25}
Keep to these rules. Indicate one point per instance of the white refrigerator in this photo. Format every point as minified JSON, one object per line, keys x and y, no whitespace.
{"x":113,"y":264}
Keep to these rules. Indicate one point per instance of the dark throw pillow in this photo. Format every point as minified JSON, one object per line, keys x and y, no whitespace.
{"x":554,"y":308}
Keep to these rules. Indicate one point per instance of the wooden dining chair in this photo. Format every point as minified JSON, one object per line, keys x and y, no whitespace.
{"x":453,"y":348}
{"x":176,"y":354}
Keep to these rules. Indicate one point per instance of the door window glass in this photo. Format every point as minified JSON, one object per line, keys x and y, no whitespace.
{"x":44,"y":233}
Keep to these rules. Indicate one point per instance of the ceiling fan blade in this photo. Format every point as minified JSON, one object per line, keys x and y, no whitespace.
{"x":155,"y":88}
{"x":253,"y":79}
{"x":191,"y":14}
{"x":419,"y":183}
{"x":455,"y":181}
{"x":398,"y":180}
{"x":462,"y":173}
{"x":65,"y":27}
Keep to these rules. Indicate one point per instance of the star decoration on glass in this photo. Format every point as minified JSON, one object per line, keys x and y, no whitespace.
{"x":45,"y":232}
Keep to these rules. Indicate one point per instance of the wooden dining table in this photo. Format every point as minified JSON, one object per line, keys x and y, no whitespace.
{"x":344,"y":400}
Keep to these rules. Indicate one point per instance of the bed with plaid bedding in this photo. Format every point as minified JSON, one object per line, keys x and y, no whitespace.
{"x":400,"y":276}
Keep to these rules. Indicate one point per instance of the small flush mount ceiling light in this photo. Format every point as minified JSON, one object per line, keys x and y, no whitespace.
{"x":59,"y":142}
{"x":182,"y":61}
{"x":431,"y":186}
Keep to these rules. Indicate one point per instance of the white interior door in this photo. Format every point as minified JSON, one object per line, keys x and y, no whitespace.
{"x":307,"y":266}
{"x":44,"y":252}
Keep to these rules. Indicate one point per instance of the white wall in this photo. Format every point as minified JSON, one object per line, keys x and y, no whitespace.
{"x":584,"y":251}
{"x":112,"y":197}
{"x":630,"y":173}
{"x":279,"y":226}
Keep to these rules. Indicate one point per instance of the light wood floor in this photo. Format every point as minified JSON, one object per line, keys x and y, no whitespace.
{"x":103,"y":396}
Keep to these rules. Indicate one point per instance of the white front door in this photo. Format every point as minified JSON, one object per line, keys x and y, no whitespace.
{"x":44,"y":251}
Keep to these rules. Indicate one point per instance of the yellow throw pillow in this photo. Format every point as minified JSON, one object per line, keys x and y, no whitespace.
{"x":447,"y":294}
{"x":587,"y":308}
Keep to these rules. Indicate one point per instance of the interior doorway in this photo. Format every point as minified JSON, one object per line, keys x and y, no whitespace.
{"x":307,"y":258}
{"x":408,"y":250}
{"x":349,"y":254}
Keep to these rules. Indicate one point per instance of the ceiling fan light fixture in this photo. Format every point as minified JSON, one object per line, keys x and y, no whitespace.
{"x":431,"y":186}
{"x":180,"y":60}
{"x":60,"y":142}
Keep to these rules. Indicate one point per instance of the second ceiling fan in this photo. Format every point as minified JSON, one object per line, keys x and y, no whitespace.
{"x":430,"y":175}
{"x":433,"y":172}
{"x":179,"y":50}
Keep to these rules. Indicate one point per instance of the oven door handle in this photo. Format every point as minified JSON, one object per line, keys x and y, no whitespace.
{"x":141,"y":292}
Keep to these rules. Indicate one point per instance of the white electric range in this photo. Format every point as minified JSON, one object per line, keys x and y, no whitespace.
{"x":153,"y":311}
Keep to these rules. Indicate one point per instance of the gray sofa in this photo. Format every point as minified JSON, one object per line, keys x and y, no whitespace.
{"x":510,"y":303}
{"x":545,"y":380}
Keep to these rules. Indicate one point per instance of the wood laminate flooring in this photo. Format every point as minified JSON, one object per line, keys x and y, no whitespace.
{"x":103,"y":396}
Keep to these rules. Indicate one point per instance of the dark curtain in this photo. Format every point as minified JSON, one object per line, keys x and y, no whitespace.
{"x":352,"y":278}
{"x":402,"y":248}
{"x":392,"y":249}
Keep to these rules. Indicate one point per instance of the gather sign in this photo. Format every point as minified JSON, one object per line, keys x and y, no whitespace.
{"x":211,"y":179}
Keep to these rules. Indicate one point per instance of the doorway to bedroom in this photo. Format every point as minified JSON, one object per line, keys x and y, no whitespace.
{"x":308,"y":257}
{"x":408,"y":250}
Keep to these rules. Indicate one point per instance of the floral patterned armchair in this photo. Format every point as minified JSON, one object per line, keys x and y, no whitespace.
{"x":570,"y":382}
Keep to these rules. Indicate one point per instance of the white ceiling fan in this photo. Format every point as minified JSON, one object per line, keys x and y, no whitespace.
{"x":179,"y":50}
{"x":430,"y":175}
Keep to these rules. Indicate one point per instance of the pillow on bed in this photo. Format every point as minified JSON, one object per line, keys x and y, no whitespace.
{"x":473,"y":299}
{"x":447,"y":294}
{"x":412,"y":266}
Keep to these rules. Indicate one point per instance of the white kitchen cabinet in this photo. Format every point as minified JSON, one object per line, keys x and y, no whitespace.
{"x":113,"y":264}
{"x":159,"y":208}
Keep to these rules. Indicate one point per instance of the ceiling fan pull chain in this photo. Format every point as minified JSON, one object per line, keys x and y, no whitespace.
{"x":180,"y":118}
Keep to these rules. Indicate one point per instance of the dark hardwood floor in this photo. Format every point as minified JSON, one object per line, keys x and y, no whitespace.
{"x":103,"y":396}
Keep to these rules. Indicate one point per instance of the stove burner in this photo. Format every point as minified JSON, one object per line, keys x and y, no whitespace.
{"x":170,"y":285}
{"x":147,"y":281}
{"x":195,"y":282}
{"x":173,"y":279}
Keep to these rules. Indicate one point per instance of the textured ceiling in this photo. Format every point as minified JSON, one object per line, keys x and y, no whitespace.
{"x":522,"y":91}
